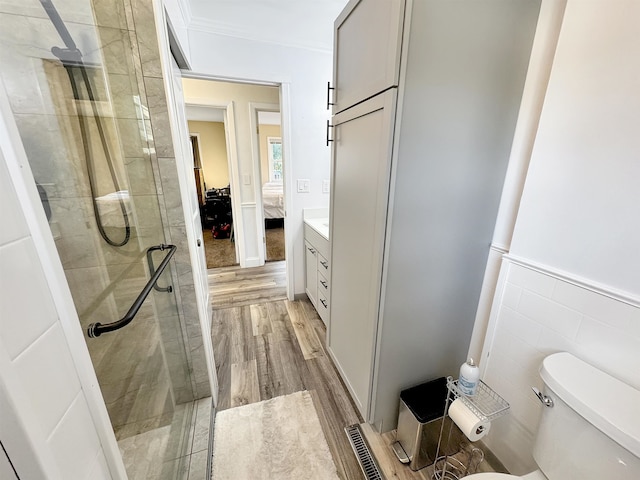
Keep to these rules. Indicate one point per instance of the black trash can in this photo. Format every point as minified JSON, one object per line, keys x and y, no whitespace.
{"x":419,"y":424}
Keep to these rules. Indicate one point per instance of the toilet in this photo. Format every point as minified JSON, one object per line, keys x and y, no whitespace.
{"x":592,"y":429}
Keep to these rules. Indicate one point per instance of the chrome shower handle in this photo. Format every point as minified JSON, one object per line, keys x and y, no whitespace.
{"x":546,"y":400}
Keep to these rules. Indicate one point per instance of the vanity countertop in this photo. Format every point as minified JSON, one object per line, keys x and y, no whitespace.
{"x":320,"y":225}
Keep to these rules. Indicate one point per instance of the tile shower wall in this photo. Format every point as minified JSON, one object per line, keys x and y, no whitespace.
{"x":540,"y":314}
{"x":31,"y":335}
{"x":169,"y":194}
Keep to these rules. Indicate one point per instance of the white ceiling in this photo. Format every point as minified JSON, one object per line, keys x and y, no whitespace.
{"x":301,"y":23}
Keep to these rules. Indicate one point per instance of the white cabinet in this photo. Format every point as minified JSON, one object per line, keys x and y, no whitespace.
{"x":367,"y":55}
{"x":416,"y":181}
{"x":311,"y":270}
{"x":317,"y":271}
{"x":362,"y":162}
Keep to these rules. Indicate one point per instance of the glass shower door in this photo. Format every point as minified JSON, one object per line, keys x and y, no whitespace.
{"x":73,"y":72}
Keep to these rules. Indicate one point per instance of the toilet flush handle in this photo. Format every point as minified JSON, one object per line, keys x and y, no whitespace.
{"x":546,"y":401}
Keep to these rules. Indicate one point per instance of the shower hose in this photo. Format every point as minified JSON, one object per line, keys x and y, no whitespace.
{"x":71,"y":59}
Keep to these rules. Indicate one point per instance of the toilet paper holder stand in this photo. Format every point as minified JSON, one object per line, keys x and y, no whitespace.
{"x":486,"y":404}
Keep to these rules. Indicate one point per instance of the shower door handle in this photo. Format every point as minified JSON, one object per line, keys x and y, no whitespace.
{"x":152,"y":269}
{"x":97,"y":329}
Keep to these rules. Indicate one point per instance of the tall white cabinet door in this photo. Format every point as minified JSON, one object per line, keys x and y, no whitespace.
{"x":360,"y":190}
{"x":367,"y":39}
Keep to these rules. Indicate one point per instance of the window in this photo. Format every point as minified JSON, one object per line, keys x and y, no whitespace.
{"x":274,"y":147}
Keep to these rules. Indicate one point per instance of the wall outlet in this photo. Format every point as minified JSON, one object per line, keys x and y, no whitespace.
{"x":325,"y":186}
{"x":303,"y":185}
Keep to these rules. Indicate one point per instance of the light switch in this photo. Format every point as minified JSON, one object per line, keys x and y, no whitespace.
{"x":303,"y":185}
{"x":325,"y":186}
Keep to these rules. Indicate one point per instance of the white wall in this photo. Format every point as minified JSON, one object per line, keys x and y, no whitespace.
{"x":582,"y":186}
{"x":307,"y":73}
{"x":572,"y":280}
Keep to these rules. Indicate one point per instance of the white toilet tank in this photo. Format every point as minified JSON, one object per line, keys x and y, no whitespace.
{"x":593,"y":430}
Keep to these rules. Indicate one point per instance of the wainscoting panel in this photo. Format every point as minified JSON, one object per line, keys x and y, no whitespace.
{"x":537,"y":313}
{"x":250,"y":246}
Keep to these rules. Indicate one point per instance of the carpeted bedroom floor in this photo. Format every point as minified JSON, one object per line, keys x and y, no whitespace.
{"x":222,"y":252}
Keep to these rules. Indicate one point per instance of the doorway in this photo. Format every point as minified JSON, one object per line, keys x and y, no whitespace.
{"x":269,"y":139}
{"x":208,"y":133}
{"x":253,"y":128}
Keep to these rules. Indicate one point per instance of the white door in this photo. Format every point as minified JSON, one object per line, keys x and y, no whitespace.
{"x":184,"y":159}
{"x":367,"y":39}
{"x":362,"y":148}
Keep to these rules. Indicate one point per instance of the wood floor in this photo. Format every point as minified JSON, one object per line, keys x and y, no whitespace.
{"x":235,"y":286}
{"x":267,"y":347}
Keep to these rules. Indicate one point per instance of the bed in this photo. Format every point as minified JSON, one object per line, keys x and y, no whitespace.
{"x":272,"y":200}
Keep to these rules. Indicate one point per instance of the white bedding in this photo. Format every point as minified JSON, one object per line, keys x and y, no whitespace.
{"x":110,"y":210}
{"x":272,"y":200}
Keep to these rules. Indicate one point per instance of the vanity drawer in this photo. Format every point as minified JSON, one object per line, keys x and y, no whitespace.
{"x":323,"y":265}
{"x":323,"y":306}
{"x":317,"y":240}
{"x":323,"y":284}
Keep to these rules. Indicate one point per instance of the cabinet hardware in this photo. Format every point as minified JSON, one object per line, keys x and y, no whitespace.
{"x":313,"y":252}
{"x":324,"y":264}
{"x":324,"y":304}
{"x":329,"y":88}
{"x":324,"y":284}
{"x":328,"y":127}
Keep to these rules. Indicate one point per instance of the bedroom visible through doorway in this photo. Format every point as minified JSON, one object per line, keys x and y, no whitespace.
{"x":271,"y":172}
{"x":211,"y":174}
{"x":257,"y":145}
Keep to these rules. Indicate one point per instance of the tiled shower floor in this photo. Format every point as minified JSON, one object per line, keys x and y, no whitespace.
{"x":172,"y":452}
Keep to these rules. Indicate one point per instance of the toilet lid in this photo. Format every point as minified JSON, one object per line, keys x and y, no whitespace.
{"x":490,"y":476}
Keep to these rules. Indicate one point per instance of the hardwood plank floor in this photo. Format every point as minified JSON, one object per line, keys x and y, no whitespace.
{"x":235,"y":286}
{"x":266,"y":349}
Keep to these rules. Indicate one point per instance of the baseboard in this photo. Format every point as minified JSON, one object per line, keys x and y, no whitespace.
{"x":252,"y":262}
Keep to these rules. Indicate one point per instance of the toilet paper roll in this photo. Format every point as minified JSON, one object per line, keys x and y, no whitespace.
{"x":473,"y":427}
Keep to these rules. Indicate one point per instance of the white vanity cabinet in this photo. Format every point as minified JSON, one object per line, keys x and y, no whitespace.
{"x":317,"y":270}
{"x":311,"y":272}
{"x":423,"y":123}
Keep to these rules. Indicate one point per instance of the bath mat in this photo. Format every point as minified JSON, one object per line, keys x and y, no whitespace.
{"x":278,"y":439}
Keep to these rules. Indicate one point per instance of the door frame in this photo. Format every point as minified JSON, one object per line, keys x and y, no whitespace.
{"x":285,"y":127}
{"x":178,"y":123}
{"x":232,"y":164}
{"x":254,"y":108}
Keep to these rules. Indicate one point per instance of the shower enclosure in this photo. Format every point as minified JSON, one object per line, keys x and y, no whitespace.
{"x":75,"y":76}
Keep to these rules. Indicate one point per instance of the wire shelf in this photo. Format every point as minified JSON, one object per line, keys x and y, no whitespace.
{"x":486,"y":403}
{"x":448,"y":468}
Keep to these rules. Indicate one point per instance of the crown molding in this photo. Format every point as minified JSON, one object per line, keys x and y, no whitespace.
{"x":205,"y":25}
